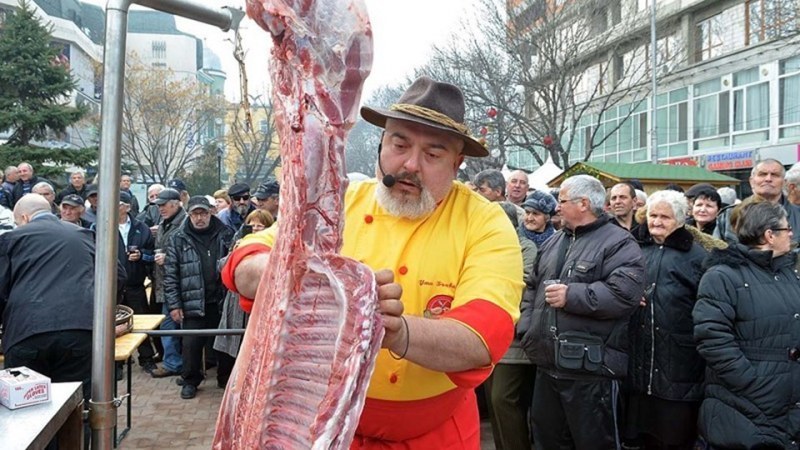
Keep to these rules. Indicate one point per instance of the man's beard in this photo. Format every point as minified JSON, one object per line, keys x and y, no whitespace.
{"x":406,"y":206}
{"x":242,"y":209}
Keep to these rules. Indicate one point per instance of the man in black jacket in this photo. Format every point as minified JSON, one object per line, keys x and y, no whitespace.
{"x":135,"y":253}
{"x":27,"y":180}
{"x":47,"y":316}
{"x":77,"y":185}
{"x":586,"y":283}
{"x":192,"y":285}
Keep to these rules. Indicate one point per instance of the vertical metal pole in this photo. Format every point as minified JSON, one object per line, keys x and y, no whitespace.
{"x":102,"y":414}
{"x":654,"y":88}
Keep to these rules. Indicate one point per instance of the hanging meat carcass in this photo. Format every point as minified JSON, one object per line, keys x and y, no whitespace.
{"x":302,"y":372}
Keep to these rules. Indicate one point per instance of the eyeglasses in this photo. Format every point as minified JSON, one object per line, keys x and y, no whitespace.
{"x":239,"y":198}
{"x":788,"y":228}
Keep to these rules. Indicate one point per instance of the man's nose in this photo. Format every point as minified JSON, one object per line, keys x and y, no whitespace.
{"x":412,"y":163}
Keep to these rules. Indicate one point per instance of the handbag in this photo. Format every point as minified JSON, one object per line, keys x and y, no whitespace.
{"x":579,"y":351}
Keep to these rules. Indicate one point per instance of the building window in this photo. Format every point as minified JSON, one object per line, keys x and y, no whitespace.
{"x":720,"y":34}
{"x":158,"y":65}
{"x":672,"y":123}
{"x":711,"y":112}
{"x":750,"y":107}
{"x":768,"y":19}
{"x":159,"y":49}
{"x":789,"y":98}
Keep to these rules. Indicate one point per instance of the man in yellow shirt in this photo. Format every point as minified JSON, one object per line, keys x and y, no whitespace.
{"x":454,"y":274}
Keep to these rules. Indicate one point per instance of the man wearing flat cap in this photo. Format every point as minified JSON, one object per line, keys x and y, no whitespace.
{"x":267,"y":196}
{"x":240,"y":207}
{"x":451,"y":254}
{"x":192,"y":287}
{"x":72,"y":207}
{"x":172,"y":217}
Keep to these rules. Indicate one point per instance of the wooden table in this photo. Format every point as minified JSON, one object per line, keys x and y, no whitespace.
{"x":124,"y":346}
{"x":33,"y":427}
{"x":143,"y":322}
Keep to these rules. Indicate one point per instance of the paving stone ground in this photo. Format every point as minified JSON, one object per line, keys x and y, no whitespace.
{"x":162,"y":420}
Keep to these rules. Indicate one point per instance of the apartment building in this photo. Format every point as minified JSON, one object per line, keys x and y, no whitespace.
{"x":728,"y":90}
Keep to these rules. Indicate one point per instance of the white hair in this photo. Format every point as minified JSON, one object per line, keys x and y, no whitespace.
{"x":405,"y":207}
{"x":641,"y":195}
{"x":43,"y":185}
{"x":727,"y":195}
{"x":584,"y":186}
{"x":674,"y":199}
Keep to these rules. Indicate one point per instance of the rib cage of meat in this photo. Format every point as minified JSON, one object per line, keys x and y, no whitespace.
{"x":310,"y":347}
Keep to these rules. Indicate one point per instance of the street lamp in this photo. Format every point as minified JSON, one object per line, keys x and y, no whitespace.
{"x":219,"y":166}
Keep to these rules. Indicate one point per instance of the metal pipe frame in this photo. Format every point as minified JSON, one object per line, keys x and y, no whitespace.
{"x":205,"y":332}
{"x":102,"y":411}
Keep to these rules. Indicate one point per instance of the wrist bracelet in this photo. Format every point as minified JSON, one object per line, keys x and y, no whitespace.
{"x":391,"y":353}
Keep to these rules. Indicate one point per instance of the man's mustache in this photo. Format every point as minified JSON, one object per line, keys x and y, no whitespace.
{"x":409,"y":178}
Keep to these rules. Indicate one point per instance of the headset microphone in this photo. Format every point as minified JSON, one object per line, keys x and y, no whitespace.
{"x":387,"y":180}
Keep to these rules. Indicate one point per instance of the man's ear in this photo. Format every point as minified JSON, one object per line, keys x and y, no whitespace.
{"x":459,"y":161}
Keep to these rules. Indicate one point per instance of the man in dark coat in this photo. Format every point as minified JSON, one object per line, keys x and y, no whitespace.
{"x":135,"y":253}
{"x":77,"y":185}
{"x":588,"y":279}
{"x":192,"y":285}
{"x":173,"y":215}
{"x":240,"y":207}
{"x":766,"y":181}
{"x":27,"y":180}
{"x":47,"y":315}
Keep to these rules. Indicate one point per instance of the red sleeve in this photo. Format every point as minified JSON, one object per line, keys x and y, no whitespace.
{"x":493,"y":325}
{"x":229,"y":269}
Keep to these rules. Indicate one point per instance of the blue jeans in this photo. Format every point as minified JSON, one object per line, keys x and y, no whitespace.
{"x":172,"y":344}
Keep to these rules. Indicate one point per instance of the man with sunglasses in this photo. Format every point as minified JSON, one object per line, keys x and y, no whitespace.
{"x":240,"y":207}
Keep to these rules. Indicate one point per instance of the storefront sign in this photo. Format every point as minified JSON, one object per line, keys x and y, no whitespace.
{"x":730,"y":161}
{"x":687,"y":161}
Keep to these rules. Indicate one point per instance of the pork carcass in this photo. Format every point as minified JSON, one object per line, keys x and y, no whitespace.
{"x":310,"y":347}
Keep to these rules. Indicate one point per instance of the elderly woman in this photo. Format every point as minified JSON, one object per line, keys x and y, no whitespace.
{"x":539,"y":208}
{"x":705,"y":208}
{"x":747,"y":328}
{"x":665,"y":372}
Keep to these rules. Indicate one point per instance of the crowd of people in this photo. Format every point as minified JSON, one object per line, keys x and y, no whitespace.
{"x":591,"y":317}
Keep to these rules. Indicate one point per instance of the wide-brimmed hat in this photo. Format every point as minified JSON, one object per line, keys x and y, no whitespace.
{"x":432,"y":103}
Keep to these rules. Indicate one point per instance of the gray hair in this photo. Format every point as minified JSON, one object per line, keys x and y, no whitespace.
{"x":9,"y":170}
{"x":674,"y":199}
{"x":755,"y":218}
{"x":43,"y":185}
{"x":155,"y":186}
{"x":80,"y":172}
{"x":727,"y":195}
{"x":641,"y":195}
{"x":511,"y":211}
{"x":584,"y":186}
{"x":792,"y":176}
{"x":493,"y":178}
{"x":767,"y":161}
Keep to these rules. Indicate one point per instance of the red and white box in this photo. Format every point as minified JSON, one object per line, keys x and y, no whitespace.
{"x":21,"y":386}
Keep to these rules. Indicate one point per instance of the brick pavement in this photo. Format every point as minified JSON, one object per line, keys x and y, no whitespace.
{"x":161,"y":419}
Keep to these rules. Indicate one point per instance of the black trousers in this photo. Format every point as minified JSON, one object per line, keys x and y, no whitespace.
{"x":192,"y":350}
{"x":62,"y":356}
{"x":575,"y":414}
{"x":135,"y":297}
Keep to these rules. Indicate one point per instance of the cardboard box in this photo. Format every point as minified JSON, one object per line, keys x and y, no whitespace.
{"x":21,"y":386}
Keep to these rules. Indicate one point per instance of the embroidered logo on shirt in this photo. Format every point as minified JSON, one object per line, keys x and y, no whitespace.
{"x":438,"y":305}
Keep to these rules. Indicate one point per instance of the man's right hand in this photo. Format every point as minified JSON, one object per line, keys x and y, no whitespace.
{"x":177,"y":315}
{"x":159,"y":259}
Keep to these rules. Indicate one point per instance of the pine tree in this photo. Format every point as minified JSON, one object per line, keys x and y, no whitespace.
{"x":35,"y":86}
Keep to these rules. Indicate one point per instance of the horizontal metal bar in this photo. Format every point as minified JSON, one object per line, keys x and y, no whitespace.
{"x":208,"y":332}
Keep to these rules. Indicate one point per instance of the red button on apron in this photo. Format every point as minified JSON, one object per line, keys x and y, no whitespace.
{"x":403,"y":270}
{"x":393,"y":378}
{"x":368,"y":218}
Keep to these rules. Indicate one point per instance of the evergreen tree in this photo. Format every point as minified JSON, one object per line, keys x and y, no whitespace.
{"x":35,"y":90}
{"x":35,"y":86}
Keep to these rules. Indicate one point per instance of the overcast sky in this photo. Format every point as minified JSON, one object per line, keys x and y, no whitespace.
{"x":404,"y":32}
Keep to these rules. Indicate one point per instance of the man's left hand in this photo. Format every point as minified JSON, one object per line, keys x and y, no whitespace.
{"x":556,"y":295}
{"x":134,"y":256}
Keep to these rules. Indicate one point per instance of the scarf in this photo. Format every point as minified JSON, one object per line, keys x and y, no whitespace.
{"x":538,"y":238}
